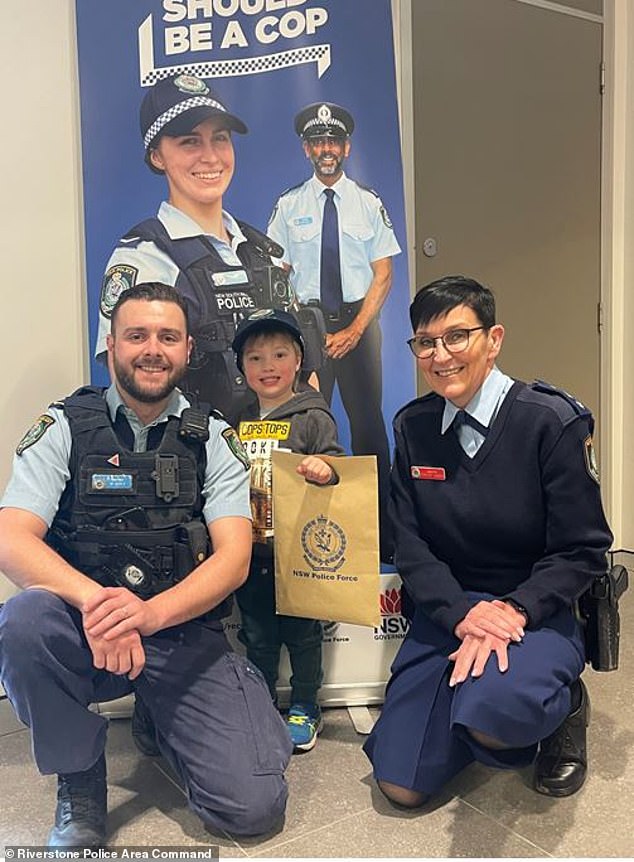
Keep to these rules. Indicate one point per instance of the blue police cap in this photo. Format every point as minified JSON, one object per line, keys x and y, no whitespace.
{"x":176,"y":105}
{"x":324,"y":119}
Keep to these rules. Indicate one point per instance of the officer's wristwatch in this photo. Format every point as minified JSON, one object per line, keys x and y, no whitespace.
{"x":519,"y":608}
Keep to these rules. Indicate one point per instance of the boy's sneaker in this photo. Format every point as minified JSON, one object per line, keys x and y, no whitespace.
{"x":304,"y":722}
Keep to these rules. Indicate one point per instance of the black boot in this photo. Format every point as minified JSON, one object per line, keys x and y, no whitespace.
{"x":80,"y":816}
{"x":143,"y":730}
{"x":562,"y":762}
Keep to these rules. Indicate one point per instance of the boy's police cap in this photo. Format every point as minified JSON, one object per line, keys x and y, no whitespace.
{"x":324,"y":119}
{"x":262,"y":320}
{"x":176,"y":105}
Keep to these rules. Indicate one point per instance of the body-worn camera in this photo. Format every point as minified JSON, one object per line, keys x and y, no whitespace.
{"x":599,"y":610}
{"x":272,"y":286}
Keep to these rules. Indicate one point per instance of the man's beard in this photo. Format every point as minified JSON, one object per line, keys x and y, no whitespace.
{"x":127,"y":383}
{"x":331,"y":169}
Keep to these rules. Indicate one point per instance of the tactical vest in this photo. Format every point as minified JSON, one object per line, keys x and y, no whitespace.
{"x":219,"y":296}
{"x":133,"y":519}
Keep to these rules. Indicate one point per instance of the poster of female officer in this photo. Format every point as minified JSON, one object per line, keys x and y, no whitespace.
{"x":253,"y":64}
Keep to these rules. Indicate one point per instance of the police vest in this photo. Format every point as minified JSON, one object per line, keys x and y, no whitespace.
{"x":133,"y":519}
{"x":218,"y":295}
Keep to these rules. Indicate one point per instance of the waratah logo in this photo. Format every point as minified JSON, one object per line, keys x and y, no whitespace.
{"x":390,"y":602}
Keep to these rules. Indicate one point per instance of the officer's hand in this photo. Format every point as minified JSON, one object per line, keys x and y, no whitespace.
{"x":491,"y":618}
{"x":473,"y":654}
{"x":316,"y":470}
{"x":125,"y":655}
{"x":113,"y":611}
{"x":342,"y":342}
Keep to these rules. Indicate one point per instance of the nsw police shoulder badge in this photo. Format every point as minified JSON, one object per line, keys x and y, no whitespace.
{"x":591,"y":459}
{"x":117,"y":279}
{"x":237,"y":449}
{"x":35,"y":432}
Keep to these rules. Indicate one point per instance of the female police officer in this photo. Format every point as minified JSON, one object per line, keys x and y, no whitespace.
{"x":222,"y":267}
{"x":499,"y":528}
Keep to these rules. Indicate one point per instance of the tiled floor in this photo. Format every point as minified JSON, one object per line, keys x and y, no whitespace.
{"x":334,"y":810}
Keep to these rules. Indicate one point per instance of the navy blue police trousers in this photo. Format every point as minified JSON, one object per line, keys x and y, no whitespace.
{"x":215,"y":722}
{"x":420,"y":740}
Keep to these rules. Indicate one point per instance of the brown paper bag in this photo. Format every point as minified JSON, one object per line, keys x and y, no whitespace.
{"x":327,"y":541}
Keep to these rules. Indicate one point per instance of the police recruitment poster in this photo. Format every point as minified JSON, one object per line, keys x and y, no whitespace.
{"x":267,"y":59}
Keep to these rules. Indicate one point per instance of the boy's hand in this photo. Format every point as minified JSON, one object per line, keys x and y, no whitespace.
{"x":316,"y":470}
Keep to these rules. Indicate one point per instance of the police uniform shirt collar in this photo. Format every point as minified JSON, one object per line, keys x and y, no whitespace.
{"x":485,"y":403}
{"x":175,"y":406}
{"x":181,"y":226}
{"x":320,"y":187}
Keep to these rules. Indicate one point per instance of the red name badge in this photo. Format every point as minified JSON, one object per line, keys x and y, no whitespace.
{"x":436,"y":474}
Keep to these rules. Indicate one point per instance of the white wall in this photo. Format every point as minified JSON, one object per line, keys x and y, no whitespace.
{"x":43,"y":350}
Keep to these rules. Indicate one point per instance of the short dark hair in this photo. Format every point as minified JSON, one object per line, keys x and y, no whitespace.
{"x":438,"y":298}
{"x":151,"y":291}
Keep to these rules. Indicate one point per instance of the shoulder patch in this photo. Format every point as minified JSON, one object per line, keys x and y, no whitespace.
{"x":590,"y":459}
{"x":117,"y":279}
{"x":35,"y":432}
{"x":237,"y":449}
{"x":387,"y":221}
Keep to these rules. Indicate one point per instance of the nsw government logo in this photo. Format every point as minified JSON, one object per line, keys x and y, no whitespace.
{"x":324,"y":544}
{"x":393,"y":624}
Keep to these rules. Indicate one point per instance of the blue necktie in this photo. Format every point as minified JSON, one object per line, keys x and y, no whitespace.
{"x":330,"y":273}
{"x":463,"y":418}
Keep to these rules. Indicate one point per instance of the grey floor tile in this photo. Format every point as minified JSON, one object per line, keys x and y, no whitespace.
{"x":27,"y":799}
{"x":9,"y":722}
{"x":456,"y":829}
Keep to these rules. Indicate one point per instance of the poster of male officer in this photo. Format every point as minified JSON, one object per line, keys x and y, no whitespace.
{"x":255,"y":63}
{"x":338,"y":245}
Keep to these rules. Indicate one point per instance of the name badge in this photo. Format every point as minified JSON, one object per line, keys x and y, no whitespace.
{"x":436,"y":474}
{"x":303,"y":220}
{"x":111,"y":482}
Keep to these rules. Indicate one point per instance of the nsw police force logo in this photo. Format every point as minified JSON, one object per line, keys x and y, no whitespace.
{"x":191,"y":84}
{"x":324,"y":544}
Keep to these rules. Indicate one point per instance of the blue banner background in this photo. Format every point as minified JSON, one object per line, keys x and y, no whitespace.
{"x":119,"y":190}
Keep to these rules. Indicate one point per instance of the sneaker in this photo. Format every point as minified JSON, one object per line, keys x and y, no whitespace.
{"x":80,"y":817}
{"x":304,"y":722}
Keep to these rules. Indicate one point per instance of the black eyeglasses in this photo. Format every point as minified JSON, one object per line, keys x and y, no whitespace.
{"x":454,"y":341}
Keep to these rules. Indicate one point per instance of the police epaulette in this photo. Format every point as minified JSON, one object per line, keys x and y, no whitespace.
{"x":291,"y":189}
{"x":260,"y":240}
{"x":367,"y":188}
{"x":57,"y":405}
{"x":430,"y":396}
{"x":542,"y":386}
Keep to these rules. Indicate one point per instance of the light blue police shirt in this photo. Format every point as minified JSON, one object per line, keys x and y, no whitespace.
{"x":41,"y":472}
{"x":152,"y":264}
{"x":365,"y":235}
{"x":483,"y":406}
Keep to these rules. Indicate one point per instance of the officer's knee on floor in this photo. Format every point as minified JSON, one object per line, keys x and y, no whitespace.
{"x":402,"y":796}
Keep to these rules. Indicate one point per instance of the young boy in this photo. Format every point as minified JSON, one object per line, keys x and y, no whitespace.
{"x":269,"y":350}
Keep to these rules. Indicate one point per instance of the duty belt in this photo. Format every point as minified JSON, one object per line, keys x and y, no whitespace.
{"x":347,"y":310}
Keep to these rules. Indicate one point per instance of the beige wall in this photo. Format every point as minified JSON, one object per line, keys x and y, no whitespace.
{"x":43,"y":349}
{"x":618,"y":269}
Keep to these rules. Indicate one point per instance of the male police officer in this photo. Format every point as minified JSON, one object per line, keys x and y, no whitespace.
{"x":499,"y":528}
{"x":126,"y":522}
{"x":338,"y":243}
{"x":221,"y":266}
